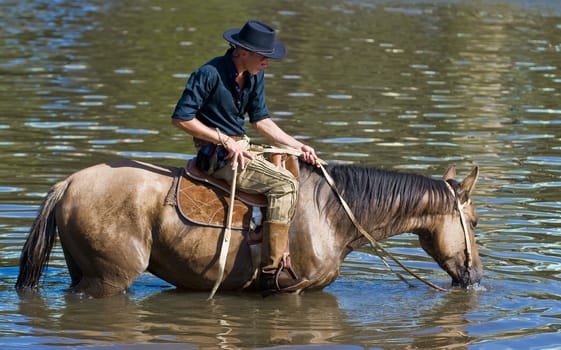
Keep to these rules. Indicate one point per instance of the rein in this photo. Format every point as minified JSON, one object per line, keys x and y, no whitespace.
{"x":376,"y":244}
{"x":460,"y":208}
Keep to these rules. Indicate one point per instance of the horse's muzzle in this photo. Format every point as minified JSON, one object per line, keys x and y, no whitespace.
{"x":465,"y":278}
{"x":461,"y":276}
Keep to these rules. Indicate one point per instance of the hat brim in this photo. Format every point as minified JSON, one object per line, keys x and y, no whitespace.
{"x":278,"y":52}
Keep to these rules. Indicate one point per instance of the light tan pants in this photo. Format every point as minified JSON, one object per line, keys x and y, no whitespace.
{"x":263,"y":177}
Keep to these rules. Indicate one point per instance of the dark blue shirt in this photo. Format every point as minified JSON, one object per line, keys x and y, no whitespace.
{"x":212,"y":96}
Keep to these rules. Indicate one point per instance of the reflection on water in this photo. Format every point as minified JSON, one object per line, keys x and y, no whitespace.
{"x":249,"y":321}
{"x":404,"y":84}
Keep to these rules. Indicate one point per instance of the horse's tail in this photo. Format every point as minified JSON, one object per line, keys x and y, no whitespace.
{"x":39,"y":243}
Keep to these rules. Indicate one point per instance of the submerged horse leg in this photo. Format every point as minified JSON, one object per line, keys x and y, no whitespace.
{"x":73,"y":268}
{"x":100,"y":266}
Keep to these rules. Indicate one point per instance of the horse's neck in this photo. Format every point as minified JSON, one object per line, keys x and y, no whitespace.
{"x":380,"y":222}
{"x":359,"y":239}
{"x":322,"y":234}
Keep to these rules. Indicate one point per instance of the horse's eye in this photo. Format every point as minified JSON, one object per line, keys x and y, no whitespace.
{"x":474,"y":223}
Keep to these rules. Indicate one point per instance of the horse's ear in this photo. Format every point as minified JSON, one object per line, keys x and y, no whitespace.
{"x":450,"y":173}
{"x":467,"y":186}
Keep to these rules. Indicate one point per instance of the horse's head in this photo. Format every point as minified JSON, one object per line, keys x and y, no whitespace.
{"x":451,"y":237}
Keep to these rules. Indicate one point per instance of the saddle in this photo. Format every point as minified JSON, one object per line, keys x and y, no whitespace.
{"x":204,"y":200}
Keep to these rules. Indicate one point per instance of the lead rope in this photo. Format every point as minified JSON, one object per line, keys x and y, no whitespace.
{"x":227,"y":235}
{"x":374,"y":242}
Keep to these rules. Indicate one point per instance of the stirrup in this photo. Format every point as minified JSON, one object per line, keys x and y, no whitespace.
{"x":284,"y":267}
{"x":276,"y":286}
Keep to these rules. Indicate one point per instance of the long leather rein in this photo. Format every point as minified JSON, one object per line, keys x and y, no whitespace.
{"x":458,"y":206}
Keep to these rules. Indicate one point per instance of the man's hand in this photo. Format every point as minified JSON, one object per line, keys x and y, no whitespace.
{"x":309,"y":155}
{"x":237,"y":153}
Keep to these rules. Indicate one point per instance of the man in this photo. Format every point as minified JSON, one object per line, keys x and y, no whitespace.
{"x":212,"y":109}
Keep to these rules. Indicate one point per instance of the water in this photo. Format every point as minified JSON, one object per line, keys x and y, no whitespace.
{"x":407,"y":85}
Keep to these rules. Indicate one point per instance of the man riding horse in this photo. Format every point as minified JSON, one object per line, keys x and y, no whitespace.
{"x":212,"y":109}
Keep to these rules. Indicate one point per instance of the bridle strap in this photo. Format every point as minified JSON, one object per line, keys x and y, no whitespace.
{"x":368,"y":236}
{"x":467,"y":238}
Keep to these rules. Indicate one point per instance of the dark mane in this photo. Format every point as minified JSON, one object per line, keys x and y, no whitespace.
{"x":382,"y":199}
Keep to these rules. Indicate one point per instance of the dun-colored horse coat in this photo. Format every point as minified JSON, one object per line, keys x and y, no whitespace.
{"x":114,"y":224}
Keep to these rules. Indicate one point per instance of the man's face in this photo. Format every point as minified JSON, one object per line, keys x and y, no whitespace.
{"x":256,"y":62}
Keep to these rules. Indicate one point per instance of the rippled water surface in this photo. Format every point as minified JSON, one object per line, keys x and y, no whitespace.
{"x":407,"y":85}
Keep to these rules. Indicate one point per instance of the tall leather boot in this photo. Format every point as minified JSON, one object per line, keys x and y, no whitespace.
{"x":274,"y":276}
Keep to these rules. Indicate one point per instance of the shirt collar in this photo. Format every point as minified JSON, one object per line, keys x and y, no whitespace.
{"x":232,"y":72}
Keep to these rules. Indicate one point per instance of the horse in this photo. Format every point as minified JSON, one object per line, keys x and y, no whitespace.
{"x":113,"y":225}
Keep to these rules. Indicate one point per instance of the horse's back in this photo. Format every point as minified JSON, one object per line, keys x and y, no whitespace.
{"x":127,"y":170}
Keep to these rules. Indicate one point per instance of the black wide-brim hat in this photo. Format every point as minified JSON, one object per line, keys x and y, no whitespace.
{"x":256,"y":37}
